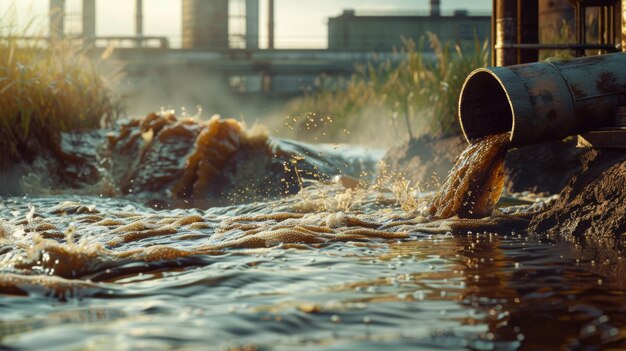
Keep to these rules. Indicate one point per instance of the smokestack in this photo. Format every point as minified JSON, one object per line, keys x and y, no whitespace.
{"x":435,"y":8}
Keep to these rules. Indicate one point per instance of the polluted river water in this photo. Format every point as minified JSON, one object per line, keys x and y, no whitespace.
{"x":140,"y":259}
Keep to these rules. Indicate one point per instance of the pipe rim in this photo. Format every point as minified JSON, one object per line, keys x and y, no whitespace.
{"x":467,"y":131}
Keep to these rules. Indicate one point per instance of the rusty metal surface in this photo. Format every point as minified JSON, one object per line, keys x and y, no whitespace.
{"x":606,"y":139}
{"x":607,"y":47}
{"x":623,"y":11}
{"x":620,"y":117}
{"x":545,"y":100}
{"x":528,"y":29}
{"x":506,"y":32}
{"x":553,"y":15}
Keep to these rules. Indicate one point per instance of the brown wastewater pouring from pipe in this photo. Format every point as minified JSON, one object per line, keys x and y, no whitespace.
{"x":474,"y":184}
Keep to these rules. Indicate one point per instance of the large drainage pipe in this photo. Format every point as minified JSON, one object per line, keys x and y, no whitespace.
{"x":543,"y":101}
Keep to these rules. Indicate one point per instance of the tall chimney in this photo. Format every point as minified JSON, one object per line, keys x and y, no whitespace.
{"x":435,"y":9}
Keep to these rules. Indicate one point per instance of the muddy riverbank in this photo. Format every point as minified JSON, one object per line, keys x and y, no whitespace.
{"x":592,"y":207}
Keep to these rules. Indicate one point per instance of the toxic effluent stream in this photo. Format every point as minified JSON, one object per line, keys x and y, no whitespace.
{"x":326,"y":268}
{"x":473,"y":186}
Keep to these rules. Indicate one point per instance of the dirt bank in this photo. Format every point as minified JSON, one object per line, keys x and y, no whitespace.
{"x":592,"y":207}
{"x":543,"y":168}
{"x":425,"y":160}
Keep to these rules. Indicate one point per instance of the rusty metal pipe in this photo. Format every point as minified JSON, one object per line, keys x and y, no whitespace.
{"x":506,"y":24}
{"x":544,"y":100}
{"x":623,"y":30}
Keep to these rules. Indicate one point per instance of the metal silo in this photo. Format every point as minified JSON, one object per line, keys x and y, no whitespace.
{"x":205,"y":24}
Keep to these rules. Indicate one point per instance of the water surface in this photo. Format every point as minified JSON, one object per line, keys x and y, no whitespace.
{"x":327,"y":269}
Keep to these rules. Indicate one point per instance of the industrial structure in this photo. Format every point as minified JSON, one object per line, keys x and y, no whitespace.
{"x":208,"y":60}
{"x":205,"y":27}
{"x":599,"y":26}
{"x":216,"y":55}
{"x":352,"y":31}
{"x":542,"y":101}
{"x":205,"y":24}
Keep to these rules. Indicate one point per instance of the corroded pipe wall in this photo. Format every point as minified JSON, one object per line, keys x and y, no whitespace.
{"x":544,"y":100}
{"x":505,"y":22}
{"x":514,"y":22}
{"x":623,"y":12}
{"x":527,"y":29}
{"x":553,"y":16}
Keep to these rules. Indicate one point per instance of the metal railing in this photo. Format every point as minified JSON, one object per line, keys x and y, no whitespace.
{"x":160,"y":42}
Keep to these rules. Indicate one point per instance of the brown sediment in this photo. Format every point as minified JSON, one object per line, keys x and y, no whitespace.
{"x":475,"y":183}
{"x":191,"y":159}
{"x":182,"y":162}
{"x":213,"y":147}
{"x":542,"y":168}
{"x":592,"y":207}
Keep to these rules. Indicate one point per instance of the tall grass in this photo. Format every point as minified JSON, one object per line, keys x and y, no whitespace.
{"x":420,"y":92}
{"x":46,"y":88}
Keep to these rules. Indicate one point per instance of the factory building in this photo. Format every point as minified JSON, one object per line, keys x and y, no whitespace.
{"x":377,"y":32}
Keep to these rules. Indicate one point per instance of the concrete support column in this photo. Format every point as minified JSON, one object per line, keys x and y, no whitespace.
{"x":270,"y":25}
{"x":139,"y":20}
{"x":56,"y":15}
{"x":435,"y":8}
{"x":89,"y":20}
{"x":252,"y":24}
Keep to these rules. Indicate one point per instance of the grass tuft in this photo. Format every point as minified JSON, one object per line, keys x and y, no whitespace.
{"x":47,"y":88}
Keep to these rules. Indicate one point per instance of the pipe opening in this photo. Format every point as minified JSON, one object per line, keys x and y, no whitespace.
{"x":484,"y":107}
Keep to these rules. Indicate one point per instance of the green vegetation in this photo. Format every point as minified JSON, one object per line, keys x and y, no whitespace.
{"x":46,"y":89}
{"x":417,"y":92}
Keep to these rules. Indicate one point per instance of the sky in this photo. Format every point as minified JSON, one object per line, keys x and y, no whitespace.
{"x":299,"y":23}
